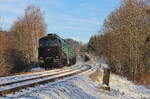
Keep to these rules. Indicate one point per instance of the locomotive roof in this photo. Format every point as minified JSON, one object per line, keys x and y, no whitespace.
{"x":50,"y":36}
{"x":54,"y":36}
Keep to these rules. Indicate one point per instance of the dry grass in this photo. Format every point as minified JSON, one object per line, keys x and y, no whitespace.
{"x":143,"y":79}
{"x":96,"y":76}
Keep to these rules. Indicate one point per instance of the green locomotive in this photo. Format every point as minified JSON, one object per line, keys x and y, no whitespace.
{"x":55,"y":51}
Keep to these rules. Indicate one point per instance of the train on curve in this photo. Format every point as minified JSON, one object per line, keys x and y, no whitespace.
{"x":55,"y":52}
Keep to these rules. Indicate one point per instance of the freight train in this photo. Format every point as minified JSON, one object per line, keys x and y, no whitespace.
{"x":55,"y":52}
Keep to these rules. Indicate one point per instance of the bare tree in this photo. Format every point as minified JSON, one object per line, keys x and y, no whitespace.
{"x":27,"y":30}
{"x":125,"y":39}
{"x":5,"y":66}
{"x":1,"y":23}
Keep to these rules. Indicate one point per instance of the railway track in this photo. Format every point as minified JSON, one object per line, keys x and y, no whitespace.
{"x":30,"y":80}
{"x":16,"y":74}
{"x":14,"y":78}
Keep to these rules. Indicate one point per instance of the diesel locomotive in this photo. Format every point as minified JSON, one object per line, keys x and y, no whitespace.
{"x":55,"y":52}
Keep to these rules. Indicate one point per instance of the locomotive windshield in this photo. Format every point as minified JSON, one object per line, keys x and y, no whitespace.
{"x":48,"y":42}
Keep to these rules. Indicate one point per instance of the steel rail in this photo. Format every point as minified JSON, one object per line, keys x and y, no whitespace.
{"x":39,"y":80}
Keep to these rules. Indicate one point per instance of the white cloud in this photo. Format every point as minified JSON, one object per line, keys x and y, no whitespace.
{"x":80,"y":20}
{"x":69,"y":22}
{"x":80,"y":39}
{"x":54,"y":19}
{"x":10,"y":9}
{"x":69,"y":27}
{"x":12,"y":6}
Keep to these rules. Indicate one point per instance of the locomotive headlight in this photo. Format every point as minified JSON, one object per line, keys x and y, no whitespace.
{"x":56,"y":45}
{"x":48,"y":49}
{"x":41,"y":58}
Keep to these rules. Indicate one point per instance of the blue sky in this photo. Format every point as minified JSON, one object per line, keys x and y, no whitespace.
{"x":77,"y":19}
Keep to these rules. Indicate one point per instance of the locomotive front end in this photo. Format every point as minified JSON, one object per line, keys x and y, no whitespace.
{"x":49,"y":51}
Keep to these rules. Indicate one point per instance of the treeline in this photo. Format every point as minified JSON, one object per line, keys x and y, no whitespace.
{"x":19,"y":45}
{"x":125,"y":39}
{"x":76,"y":45}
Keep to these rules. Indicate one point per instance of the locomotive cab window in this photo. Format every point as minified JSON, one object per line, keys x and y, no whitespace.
{"x":48,"y":42}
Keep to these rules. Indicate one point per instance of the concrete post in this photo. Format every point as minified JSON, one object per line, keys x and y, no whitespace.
{"x":106,"y":76}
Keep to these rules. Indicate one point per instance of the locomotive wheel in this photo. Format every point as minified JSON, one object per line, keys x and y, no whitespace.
{"x":48,"y":64}
{"x":45,"y":65}
{"x":64,"y":62}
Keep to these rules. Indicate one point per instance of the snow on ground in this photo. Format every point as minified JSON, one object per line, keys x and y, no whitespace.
{"x":127,"y":90}
{"x":37,"y":74}
{"x":82,"y":87}
{"x":26,"y":76}
{"x":37,"y":69}
{"x":75,"y":87}
{"x":39,"y":80}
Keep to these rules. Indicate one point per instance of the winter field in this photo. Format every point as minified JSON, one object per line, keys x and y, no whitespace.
{"x":83,"y":87}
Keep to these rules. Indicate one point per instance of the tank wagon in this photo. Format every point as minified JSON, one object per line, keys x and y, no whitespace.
{"x":55,"y":52}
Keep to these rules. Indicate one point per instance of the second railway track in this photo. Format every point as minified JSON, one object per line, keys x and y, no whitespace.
{"x":13,"y":86}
